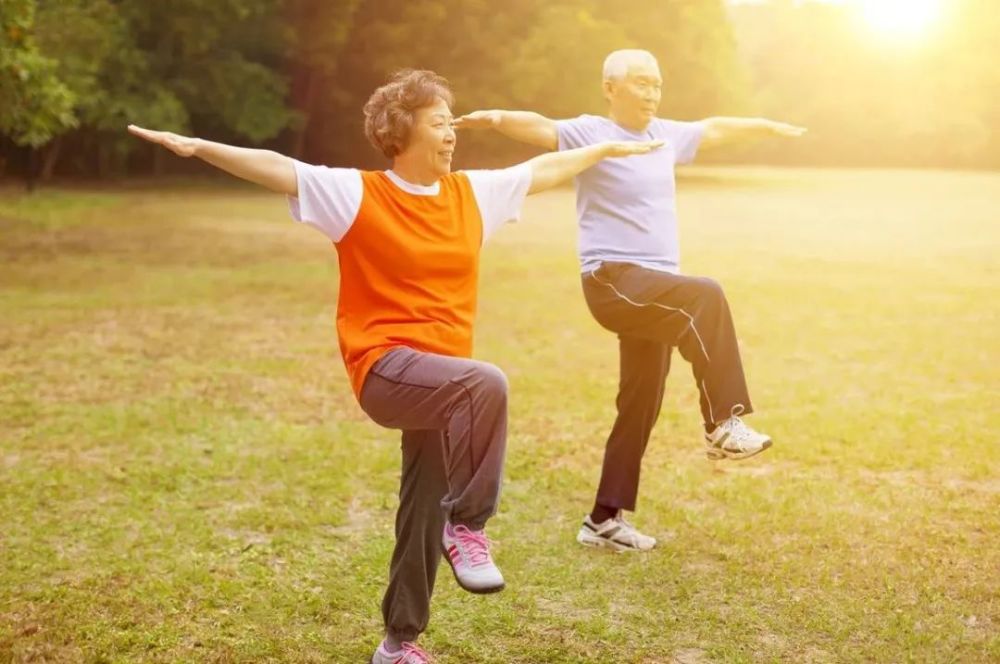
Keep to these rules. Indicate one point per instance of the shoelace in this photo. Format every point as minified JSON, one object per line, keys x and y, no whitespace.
{"x":475,"y":544}
{"x":628,"y":529}
{"x":739,"y":432}
{"x":414,"y":654}
{"x":621,"y":519}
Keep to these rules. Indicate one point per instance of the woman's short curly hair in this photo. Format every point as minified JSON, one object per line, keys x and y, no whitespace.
{"x":389,"y":112}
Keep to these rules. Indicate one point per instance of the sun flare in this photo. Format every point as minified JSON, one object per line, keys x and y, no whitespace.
{"x":901,"y":18}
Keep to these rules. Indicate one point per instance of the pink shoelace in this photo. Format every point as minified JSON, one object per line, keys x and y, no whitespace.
{"x":475,"y":543}
{"x":413,"y":654}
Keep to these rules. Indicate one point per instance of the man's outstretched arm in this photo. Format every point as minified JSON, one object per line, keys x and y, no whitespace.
{"x":722,"y":131}
{"x":523,"y":126}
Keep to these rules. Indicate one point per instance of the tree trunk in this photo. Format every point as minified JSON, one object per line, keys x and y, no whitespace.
{"x":50,"y":159}
{"x":31,"y":173}
{"x":103,"y":160}
{"x":299,"y":145}
{"x":159,"y":161}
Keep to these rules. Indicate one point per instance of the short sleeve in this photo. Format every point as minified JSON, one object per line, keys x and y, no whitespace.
{"x":500,"y":195}
{"x":328,"y":200}
{"x":684,"y":137}
{"x":575,"y":132}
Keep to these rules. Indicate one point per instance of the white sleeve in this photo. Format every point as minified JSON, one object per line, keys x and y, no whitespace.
{"x":500,"y":195}
{"x":328,"y":200}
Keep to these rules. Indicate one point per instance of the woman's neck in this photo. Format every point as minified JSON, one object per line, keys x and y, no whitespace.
{"x":413,"y":173}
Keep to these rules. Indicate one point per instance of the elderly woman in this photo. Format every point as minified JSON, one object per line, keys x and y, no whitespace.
{"x":408,"y":242}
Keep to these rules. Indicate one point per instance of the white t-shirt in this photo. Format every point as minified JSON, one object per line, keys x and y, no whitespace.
{"x":329,"y":198}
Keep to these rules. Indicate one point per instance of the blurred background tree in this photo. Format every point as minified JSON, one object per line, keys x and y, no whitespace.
{"x":211,"y":67}
{"x":35,"y":105}
{"x":294,"y":74}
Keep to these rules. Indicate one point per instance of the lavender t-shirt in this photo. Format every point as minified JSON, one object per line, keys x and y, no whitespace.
{"x":627,"y":207}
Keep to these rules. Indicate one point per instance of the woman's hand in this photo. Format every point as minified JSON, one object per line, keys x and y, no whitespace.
{"x":182,"y":146}
{"x":628,"y":148}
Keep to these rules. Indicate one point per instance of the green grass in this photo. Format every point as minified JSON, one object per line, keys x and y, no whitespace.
{"x":184,"y":475}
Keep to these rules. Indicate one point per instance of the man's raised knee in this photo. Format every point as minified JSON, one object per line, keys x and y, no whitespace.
{"x":710,"y":288}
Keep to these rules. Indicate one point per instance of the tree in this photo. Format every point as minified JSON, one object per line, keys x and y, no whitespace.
{"x":320,"y":32}
{"x":206,"y":66}
{"x":36,"y":104}
{"x":85,"y":38}
{"x":540,"y":56}
{"x":209,"y":67}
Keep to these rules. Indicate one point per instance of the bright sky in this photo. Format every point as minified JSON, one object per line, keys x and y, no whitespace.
{"x":897,"y":19}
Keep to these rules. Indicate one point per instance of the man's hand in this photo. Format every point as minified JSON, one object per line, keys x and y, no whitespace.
{"x":182,"y":146}
{"x":628,"y":148}
{"x":478,"y":120}
{"x":523,"y":126}
{"x":785,"y":129}
{"x":728,"y":131}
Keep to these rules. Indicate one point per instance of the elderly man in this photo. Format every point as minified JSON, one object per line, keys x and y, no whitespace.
{"x":629,"y":257}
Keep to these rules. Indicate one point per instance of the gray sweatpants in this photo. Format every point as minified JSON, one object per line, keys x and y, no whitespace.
{"x":453,"y":413}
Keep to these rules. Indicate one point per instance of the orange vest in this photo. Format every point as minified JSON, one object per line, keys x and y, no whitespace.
{"x":409,"y":268}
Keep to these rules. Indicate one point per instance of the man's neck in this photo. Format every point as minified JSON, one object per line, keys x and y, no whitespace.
{"x":638,"y":128}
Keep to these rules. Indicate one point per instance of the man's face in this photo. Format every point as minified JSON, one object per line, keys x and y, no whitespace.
{"x":636,"y":97}
{"x":432,"y":138}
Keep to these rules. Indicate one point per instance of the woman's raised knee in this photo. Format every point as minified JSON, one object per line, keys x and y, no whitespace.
{"x":490,"y":379}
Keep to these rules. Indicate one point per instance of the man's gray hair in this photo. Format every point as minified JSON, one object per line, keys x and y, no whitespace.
{"x":616,"y":64}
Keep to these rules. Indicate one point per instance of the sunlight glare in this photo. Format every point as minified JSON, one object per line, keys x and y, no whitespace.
{"x":904,"y":18}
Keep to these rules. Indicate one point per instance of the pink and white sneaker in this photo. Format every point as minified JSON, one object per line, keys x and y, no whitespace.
{"x":468,"y":553}
{"x":409,"y":653}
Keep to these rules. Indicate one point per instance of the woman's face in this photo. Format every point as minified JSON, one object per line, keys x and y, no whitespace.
{"x":432,"y":139}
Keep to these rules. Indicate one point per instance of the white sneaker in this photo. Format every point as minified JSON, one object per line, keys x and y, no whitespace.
{"x":409,"y":653}
{"x":615,"y":533}
{"x":733,"y":439}
{"x":468,"y":553}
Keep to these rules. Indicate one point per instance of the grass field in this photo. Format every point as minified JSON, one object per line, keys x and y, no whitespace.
{"x":185,"y":477}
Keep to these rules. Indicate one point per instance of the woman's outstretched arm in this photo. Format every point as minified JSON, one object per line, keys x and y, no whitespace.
{"x":553,"y":168}
{"x":264,"y":167}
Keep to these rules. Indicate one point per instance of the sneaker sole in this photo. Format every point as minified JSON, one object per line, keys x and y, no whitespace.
{"x":489,"y":590}
{"x":718,"y":453}
{"x":597,"y":542}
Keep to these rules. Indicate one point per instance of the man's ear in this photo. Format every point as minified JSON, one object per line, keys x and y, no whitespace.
{"x":609,"y":89}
